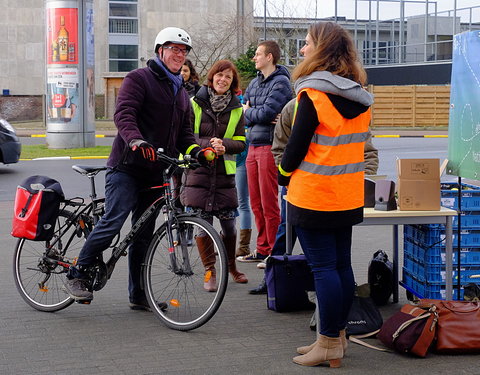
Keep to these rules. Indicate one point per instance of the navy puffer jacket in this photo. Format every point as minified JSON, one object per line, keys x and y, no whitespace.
{"x":267,"y":97}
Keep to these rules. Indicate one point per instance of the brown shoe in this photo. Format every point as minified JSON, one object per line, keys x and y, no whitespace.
{"x":210,"y":281}
{"x":343,"y":339}
{"x":325,"y":349}
{"x":207,"y":254}
{"x":244,"y":243}
{"x":237,"y":276}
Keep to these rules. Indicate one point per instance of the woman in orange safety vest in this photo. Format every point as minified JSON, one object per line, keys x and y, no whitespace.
{"x":323,"y":166}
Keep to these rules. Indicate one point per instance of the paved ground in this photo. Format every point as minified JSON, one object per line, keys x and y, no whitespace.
{"x":243,"y":338}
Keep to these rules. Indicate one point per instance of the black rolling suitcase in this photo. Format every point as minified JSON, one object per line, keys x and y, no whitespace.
{"x":288,"y":278}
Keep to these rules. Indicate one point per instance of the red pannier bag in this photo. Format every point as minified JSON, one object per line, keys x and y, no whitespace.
{"x":37,"y":204}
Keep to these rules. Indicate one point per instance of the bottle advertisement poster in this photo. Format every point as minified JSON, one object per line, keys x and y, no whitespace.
{"x":62,"y":36}
{"x":62,"y":97}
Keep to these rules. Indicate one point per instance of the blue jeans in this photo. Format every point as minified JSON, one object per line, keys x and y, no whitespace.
{"x":245,"y":214}
{"x":328,"y":252}
{"x":280,"y":246}
{"x":123,"y":194}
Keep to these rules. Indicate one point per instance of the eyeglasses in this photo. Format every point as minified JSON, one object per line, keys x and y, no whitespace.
{"x":177,"y":50}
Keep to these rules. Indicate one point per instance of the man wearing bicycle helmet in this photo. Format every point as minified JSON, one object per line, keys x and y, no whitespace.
{"x":152,"y":111}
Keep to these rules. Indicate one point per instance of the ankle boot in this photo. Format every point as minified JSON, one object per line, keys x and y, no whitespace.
{"x":244,"y":243}
{"x":207,"y":254}
{"x":325,"y":349}
{"x":237,"y":276}
{"x":343,"y":339}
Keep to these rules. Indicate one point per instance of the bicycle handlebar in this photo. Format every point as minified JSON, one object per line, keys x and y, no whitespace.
{"x":188,"y":161}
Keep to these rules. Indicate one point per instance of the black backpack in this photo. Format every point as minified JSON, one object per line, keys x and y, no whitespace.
{"x":380,"y":277}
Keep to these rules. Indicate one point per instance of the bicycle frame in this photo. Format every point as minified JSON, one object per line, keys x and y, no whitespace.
{"x":92,"y":211}
{"x":170,"y":212}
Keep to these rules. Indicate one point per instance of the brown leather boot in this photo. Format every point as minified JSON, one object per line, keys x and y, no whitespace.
{"x":325,"y":349}
{"x":343,"y":338}
{"x":244,"y":243}
{"x":207,"y":254}
{"x":237,"y":276}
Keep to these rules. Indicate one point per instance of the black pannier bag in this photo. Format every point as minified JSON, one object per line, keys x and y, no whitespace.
{"x":380,"y":278}
{"x":37,"y":204}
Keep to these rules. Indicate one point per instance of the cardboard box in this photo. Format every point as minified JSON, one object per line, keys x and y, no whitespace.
{"x":418,"y":184}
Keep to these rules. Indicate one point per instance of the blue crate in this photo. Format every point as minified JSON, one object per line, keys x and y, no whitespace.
{"x":470,"y":196}
{"x":426,"y":290}
{"x":410,"y":265}
{"x":430,"y":235}
{"x":435,"y":273}
{"x":436,"y":254}
{"x":468,"y":220}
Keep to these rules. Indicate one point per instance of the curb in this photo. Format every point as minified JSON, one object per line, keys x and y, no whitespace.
{"x":373,"y":136}
{"x":66,"y":158}
{"x":44,"y":136}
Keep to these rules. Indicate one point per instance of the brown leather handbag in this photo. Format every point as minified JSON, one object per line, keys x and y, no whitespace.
{"x":410,"y":330}
{"x":458,"y":327}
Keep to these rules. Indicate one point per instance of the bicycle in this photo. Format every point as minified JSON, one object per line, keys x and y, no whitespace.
{"x":173,"y":272}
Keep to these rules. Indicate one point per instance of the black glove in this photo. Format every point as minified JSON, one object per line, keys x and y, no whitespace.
{"x":206,"y":156}
{"x":148,"y":152}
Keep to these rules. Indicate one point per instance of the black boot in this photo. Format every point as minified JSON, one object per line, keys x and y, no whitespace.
{"x":261,"y":289}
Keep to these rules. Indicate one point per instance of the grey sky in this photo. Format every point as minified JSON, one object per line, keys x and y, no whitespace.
{"x":387,"y":10}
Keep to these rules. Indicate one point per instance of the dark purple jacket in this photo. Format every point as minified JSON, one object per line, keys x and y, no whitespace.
{"x":147,"y":109}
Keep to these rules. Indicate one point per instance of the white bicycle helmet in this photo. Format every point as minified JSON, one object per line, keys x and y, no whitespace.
{"x":172,"y":35}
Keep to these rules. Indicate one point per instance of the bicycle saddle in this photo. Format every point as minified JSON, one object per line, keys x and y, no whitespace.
{"x":88,"y":169}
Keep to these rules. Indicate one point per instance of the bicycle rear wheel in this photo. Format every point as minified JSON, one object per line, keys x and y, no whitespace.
{"x":176,"y":276}
{"x":39,"y":267}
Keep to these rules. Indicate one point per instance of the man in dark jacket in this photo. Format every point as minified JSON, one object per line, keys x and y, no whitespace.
{"x":265,"y":97}
{"x":152,"y":111}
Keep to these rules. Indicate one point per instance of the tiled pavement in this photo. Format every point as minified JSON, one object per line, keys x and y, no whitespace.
{"x":244,"y":337}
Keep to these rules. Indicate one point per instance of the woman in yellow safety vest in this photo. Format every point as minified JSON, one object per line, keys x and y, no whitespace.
{"x":323,"y":166}
{"x":218,"y":122}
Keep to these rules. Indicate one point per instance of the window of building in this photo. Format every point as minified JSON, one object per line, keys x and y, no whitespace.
{"x":386,"y":52}
{"x":123,"y":35}
{"x":123,"y":10}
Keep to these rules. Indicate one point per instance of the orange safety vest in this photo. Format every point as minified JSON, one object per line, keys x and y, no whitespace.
{"x":331,"y":177}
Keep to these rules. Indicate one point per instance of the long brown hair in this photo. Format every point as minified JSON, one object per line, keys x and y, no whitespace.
{"x":193,"y":73}
{"x":220,"y":66}
{"x":333,"y":51}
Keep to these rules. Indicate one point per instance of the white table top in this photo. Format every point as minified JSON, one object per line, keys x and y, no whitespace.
{"x":369,"y":212}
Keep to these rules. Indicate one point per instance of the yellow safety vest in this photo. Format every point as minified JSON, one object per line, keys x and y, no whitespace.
{"x":235,"y":115}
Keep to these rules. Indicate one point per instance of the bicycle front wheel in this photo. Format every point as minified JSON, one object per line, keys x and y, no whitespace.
{"x":174,"y":276}
{"x":39,"y":267}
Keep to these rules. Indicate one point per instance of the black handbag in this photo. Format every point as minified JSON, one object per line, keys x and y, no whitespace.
{"x":380,"y":278}
{"x":364,"y":316}
{"x":288,"y":278}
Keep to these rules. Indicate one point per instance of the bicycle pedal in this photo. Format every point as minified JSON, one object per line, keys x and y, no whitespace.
{"x":83,"y":301}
